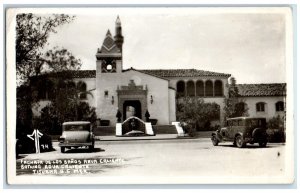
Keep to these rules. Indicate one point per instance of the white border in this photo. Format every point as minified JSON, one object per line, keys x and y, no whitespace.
{"x":11,"y":95}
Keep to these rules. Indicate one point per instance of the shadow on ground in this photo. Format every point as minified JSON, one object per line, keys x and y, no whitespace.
{"x":81,"y":150}
{"x":247,"y":147}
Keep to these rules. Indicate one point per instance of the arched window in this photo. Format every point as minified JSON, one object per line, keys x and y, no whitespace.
{"x":190,"y":88}
{"x":71,"y":85}
{"x":240,"y":107}
{"x":200,"y":88}
{"x":82,"y":88}
{"x":209,"y":88}
{"x":180,"y":88}
{"x":260,"y":107}
{"x":279,"y":106}
{"x":218,"y":88}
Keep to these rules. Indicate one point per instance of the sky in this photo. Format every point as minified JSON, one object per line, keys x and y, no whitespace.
{"x":249,"y":44}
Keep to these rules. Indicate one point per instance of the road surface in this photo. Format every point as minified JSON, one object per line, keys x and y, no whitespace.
{"x":177,"y":157}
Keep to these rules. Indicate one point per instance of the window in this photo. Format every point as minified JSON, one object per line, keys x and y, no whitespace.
{"x":218,"y":88}
{"x":190,"y":88}
{"x":109,"y":67}
{"x":200,"y":88}
{"x":106,"y":93}
{"x":241,"y":123}
{"x":82,"y":89}
{"x":180,"y":88}
{"x":240,"y":107}
{"x":235,"y":123}
{"x":279,"y":106}
{"x":208,"y":88}
{"x":260,"y":107}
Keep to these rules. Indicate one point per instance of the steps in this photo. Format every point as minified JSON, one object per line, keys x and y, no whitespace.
{"x":157,"y":129}
{"x":105,"y":131}
{"x":164,"y":129}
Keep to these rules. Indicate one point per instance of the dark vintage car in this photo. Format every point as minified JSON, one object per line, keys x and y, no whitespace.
{"x":76,"y":134}
{"x":242,"y":130}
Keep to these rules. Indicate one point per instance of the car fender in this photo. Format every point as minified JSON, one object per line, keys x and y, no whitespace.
{"x":218,"y":135}
{"x":239,"y":133}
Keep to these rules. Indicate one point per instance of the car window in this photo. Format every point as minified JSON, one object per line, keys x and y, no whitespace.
{"x":240,"y":123}
{"x":77,"y":127}
{"x":256,"y":122}
{"x":235,"y":123}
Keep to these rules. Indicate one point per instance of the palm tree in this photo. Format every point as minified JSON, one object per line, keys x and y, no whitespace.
{"x":76,"y":98}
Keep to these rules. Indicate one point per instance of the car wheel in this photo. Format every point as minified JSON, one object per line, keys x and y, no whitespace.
{"x":62,"y":149}
{"x":214,"y":140}
{"x":91,"y":147}
{"x":262,"y":144}
{"x":234,"y":143}
{"x":239,"y":141}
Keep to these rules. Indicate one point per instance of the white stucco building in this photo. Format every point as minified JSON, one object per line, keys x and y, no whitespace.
{"x":136,"y":91}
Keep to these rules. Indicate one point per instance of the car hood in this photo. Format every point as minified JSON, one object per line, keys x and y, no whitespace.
{"x":76,"y":136}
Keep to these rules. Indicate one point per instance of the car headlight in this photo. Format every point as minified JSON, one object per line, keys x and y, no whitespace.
{"x":61,"y":139}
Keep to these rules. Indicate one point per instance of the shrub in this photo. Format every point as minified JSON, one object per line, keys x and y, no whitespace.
{"x":276,"y":129}
{"x":196,"y":114}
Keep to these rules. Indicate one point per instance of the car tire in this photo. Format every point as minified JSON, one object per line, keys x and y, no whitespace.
{"x":214,"y":140}
{"x":239,"y":141}
{"x":62,"y":149}
{"x":91,"y":147}
{"x":234,"y":143}
{"x":262,"y":144}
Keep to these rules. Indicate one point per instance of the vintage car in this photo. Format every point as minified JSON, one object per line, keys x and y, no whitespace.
{"x":76,"y":134}
{"x":242,"y":130}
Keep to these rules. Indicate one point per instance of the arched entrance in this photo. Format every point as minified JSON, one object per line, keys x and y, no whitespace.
{"x":132,"y":108}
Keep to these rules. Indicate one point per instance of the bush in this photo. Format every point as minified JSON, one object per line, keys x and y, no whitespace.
{"x":50,"y":122}
{"x":188,"y":128}
{"x":276,"y":129}
{"x":197,"y":114}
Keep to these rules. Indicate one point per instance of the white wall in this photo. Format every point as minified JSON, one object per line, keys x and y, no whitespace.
{"x":172,"y":105}
{"x":270,"y":109}
{"x":157,"y":87}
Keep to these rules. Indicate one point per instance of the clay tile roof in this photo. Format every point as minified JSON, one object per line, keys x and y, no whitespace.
{"x":274,"y":89}
{"x":84,"y":74}
{"x":183,"y":73}
{"x":74,"y":74}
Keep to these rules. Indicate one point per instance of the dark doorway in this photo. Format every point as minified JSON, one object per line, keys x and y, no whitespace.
{"x":132,"y":108}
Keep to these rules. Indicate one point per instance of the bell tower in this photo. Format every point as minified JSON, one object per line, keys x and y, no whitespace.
{"x":109,"y":56}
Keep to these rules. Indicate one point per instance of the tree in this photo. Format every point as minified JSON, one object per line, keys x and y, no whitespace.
{"x":196,"y":113}
{"x":66,"y":105}
{"x":33,"y":60}
{"x":32,"y":33}
{"x":234,"y":105}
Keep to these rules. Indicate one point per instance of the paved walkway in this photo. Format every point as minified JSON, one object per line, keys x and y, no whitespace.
{"x":202,"y":134}
{"x":206,"y":134}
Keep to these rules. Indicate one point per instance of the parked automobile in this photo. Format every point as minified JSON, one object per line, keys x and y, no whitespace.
{"x":76,"y":134}
{"x":242,"y":130}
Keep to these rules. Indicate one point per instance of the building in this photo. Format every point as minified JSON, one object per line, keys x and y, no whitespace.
{"x":137,"y":91}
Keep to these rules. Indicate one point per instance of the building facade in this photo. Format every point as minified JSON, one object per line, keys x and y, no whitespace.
{"x":133,"y":92}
